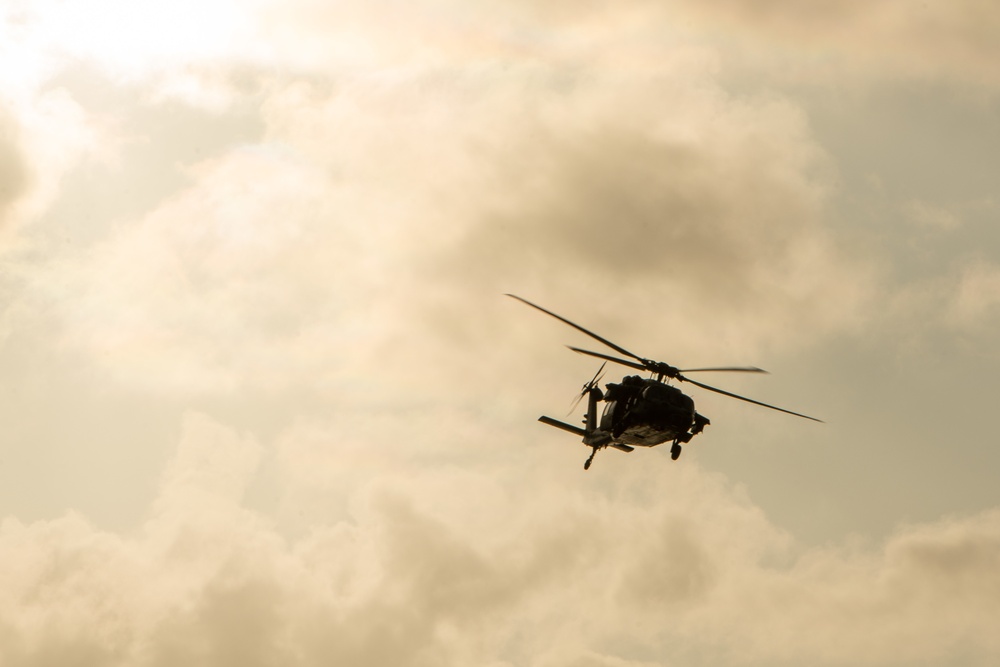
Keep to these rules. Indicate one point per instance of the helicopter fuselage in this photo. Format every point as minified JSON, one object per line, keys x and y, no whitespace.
{"x":637,"y":413}
{"x":645,"y":413}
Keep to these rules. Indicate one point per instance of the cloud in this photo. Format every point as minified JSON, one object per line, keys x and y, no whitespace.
{"x":129,"y":40}
{"x":635,"y":181}
{"x":14,"y":175}
{"x":700,"y":211}
{"x":977,"y":296}
{"x":329,"y":247}
{"x":146,"y":41}
{"x":959,"y":304}
{"x":218,"y":284}
{"x":415,"y":163}
{"x":600,"y":571}
{"x":43,"y":136}
{"x":937,"y":40}
{"x":929,"y":216}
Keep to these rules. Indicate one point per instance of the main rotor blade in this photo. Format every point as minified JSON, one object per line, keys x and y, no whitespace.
{"x":728,"y":369}
{"x":599,"y":355}
{"x":578,"y":328}
{"x":748,"y":400}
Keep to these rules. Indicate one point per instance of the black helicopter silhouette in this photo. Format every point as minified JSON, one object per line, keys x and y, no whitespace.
{"x":641,"y":412}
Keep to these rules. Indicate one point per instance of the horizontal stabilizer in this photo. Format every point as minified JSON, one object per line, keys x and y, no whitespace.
{"x":563,"y":425}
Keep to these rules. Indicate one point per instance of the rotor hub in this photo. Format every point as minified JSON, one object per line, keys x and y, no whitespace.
{"x":661,"y":368}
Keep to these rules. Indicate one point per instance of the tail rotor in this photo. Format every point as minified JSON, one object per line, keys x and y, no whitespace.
{"x":592,"y":384}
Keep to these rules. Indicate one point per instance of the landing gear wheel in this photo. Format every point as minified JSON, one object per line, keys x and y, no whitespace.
{"x":590,"y":459}
{"x":675,"y":451}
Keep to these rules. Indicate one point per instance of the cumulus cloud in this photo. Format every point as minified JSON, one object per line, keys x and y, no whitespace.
{"x":413,"y":163}
{"x":224,"y":264}
{"x":631,"y":177}
{"x":620,"y":572}
{"x":929,"y":216}
{"x":332,"y":233}
{"x":43,"y":137}
{"x":670,"y":199}
{"x":939,"y":40}
{"x":961,"y":304}
{"x":146,"y":41}
{"x":130,"y":40}
{"x":14,"y":177}
{"x":977,"y":296}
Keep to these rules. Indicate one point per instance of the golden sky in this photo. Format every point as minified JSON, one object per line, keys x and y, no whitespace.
{"x":264,"y":403}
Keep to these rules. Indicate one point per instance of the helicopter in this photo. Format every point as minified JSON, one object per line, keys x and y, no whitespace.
{"x":638,"y":411}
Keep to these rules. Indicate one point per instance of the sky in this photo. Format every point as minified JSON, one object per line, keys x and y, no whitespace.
{"x":264,"y":401}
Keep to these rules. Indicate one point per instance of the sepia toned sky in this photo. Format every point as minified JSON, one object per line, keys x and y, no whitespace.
{"x":264,"y":402}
